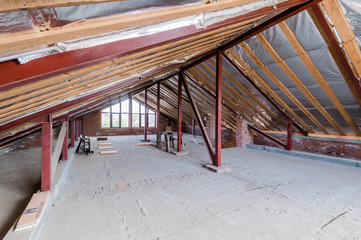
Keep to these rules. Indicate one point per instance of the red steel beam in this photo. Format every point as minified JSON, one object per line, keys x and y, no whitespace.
{"x":338,"y":50}
{"x":276,"y":141}
{"x":179,"y":142}
{"x":49,"y":66}
{"x":289,"y":134}
{"x":199,"y":120}
{"x":46,"y":148}
{"x":218,"y":137}
{"x":304,"y":132}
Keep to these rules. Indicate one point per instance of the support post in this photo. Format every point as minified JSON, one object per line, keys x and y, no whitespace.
{"x":76,"y":129}
{"x":289,"y":134}
{"x":65,"y":143}
{"x":72,"y":133}
{"x":193,"y":127}
{"x":158,"y":116}
{"x":46,"y":148}
{"x":218,"y":137}
{"x":179,"y":145}
{"x":145,"y":114}
{"x":130,"y":114}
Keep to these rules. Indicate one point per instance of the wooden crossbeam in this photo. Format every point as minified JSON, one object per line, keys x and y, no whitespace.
{"x":298,"y":82}
{"x":317,"y":75}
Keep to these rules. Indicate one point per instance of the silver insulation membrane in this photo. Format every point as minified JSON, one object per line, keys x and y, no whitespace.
{"x":311,"y":40}
{"x":352,"y":10}
{"x":46,"y":18}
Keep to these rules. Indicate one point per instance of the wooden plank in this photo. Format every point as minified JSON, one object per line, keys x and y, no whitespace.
{"x":298,"y":82}
{"x":144,"y":144}
{"x":33,"y":211}
{"x":108,"y":152}
{"x":253,"y":75}
{"x":58,"y":148}
{"x":105,"y":147}
{"x":317,"y":75}
{"x":103,"y":144}
{"x":91,"y":27}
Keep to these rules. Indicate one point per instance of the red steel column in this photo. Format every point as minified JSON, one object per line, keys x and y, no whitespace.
{"x":146,"y":113}
{"x":158,"y":115}
{"x":130,"y":114}
{"x":65,"y":143}
{"x":72,"y":133}
{"x":76,"y":129}
{"x":46,"y":147}
{"x":289,"y":134}
{"x":179,"y":145}
{"x":218,"y":137}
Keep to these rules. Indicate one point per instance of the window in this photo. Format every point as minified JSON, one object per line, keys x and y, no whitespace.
{"x":117,"y":116}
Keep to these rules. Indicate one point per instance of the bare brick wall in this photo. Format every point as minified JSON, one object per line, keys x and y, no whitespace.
{"x":336,"y":148}
{"x":243,"y":135}
{"x":92,"y":127}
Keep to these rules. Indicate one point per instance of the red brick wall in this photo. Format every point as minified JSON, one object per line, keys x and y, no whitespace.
{"x":92,"y":127}
{"x":330,"y":147}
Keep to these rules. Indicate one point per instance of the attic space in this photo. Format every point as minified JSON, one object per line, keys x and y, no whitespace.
{"x":192,"y":119}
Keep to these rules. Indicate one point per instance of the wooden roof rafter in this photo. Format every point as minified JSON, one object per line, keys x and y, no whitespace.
{"x":282,"y":87}
{"x":258,"y":81}
{"x":318,"y":76}
{"x":282,"y":64}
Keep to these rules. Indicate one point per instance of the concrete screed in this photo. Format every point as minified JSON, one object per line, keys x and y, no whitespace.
{"x":145,"y":193}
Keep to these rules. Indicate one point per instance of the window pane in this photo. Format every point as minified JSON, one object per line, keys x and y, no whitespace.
{"x":142,"y":109}
{"x":150,"y":111}
{"x":125,"y":120}
{"x":125,"y":106}
{"x":105,"y":120}
{"x":135,"y":120}
{"x":142,"y":117}
{"x":135,"y":107}
{"x":151,"y":119}
{"x":106,"y":109}
{"x":115,"y":120}
{"x":116,"y":108}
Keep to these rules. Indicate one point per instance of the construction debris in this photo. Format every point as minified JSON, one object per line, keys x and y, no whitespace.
{"x":105,"y":147}
{"x":102,"y":144}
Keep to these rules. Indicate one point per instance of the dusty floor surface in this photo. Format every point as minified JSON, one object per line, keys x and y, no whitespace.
{"x":20,"y":172}
{"x":146,"y":193}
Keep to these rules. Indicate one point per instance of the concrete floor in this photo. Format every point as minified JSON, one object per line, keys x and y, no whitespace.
{"x":145,"y":193}
{"x":20,"y":172}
